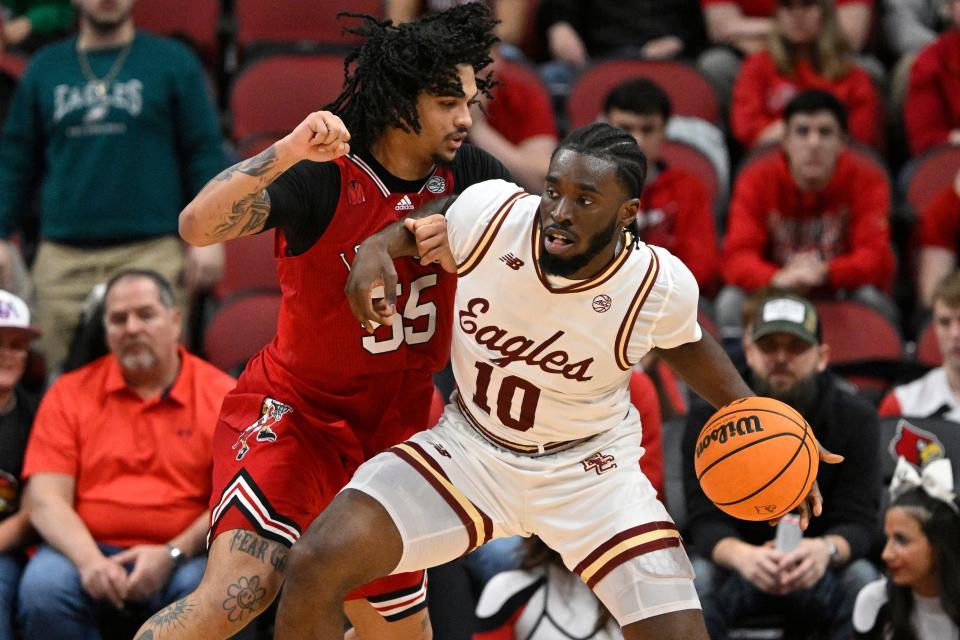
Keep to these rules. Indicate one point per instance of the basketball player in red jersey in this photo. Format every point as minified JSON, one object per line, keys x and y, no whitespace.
{"x":325,"y":395}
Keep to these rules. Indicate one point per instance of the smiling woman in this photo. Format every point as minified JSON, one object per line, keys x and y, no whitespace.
{"x":921,"y":597}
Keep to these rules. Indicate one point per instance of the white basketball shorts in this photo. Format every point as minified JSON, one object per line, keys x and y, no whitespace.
{"x":449,"y":491}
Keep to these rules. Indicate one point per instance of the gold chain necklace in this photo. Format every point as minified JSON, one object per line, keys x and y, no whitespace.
{"x":100,"y":85}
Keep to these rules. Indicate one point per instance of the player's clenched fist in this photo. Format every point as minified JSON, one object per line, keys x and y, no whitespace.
{"x":321,"y":137}
{"x":432,"y":242}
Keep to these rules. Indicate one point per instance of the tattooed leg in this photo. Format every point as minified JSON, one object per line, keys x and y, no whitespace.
{"x":242,"y":578}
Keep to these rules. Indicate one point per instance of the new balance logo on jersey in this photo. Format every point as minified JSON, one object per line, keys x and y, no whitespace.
{"x":271,"y":412}
{"x":405,"y":204}
{"x":512,"y":261}
{"x":441,"y":450}
{"x":599,"y":462}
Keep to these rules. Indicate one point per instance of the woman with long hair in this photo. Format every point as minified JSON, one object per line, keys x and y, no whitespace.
{"x":806,"y":50}
{"x":920,"y":598}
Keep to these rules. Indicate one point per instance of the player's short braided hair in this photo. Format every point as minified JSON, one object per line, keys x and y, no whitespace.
{"x":607,"y":142}
{"x":384,"y":75}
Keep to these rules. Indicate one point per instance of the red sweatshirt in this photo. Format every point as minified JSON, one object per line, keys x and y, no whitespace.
{"x":847,"y":223}
{"x":940,"y":221}
{"x":760,"y":95}
{"x":676,"y":214}
{"x":932,"y":108}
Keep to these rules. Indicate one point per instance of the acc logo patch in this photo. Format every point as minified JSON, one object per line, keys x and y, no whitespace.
{"x":917,"y":445}
{"x":436,"y":184}
{"x":271,"y":412}
{"x":602,"y":303}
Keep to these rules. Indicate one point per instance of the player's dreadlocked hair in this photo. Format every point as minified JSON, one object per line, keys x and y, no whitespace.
{"x":604,"y":141}
{"x":396,"y":62}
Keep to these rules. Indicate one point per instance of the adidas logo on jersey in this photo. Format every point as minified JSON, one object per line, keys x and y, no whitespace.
{"x":405,"y":204}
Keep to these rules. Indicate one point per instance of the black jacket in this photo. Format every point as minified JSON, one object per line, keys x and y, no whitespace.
{"x":844,"y":424}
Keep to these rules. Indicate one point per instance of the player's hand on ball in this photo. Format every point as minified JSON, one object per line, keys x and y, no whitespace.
{"x":433,"y":245}
{"x":321,"y":137}
{"x":371,"y":269}
{"x":813,"y":503}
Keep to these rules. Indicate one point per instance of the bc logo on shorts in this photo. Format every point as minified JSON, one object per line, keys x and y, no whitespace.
{"x":271,"y":412}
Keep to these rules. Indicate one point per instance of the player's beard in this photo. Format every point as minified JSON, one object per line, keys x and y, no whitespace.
{"x":801,"y":395}
{"x":563,"y":267}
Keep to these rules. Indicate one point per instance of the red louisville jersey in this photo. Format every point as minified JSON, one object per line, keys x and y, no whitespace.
{"x":321,"y":358}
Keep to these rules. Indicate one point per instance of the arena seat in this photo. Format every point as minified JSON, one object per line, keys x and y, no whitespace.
{"x":928,"y":352}
{"x":689,"y":91}
{"x":306,"y":25}
{"x":273,"y":95}
{"x":239,"y":329}
{"x":689,"y":158}
{"x":197,"y":21}
{"x":870,"y":363}
{"x":919,"y":440}
{"x":927,"y":175}
{"x":249,"y":266}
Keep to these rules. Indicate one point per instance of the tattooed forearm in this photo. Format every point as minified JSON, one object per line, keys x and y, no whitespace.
{"x":243,"y":598}
{"x":256,"y":166}
{"x":173,"y":615}
{"x":249,"y":212}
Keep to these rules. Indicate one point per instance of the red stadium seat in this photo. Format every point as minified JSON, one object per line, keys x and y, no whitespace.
{"x":861,"y":342}
{"x":249,"y":265}
{"x":193,"y":20}
{"x":929,"y":174}
{"x":682,"y":155}
{"x":690,"y":93}
{"x":299,"y":23}
{"x":928,"y":351}
{"x":275,"y":94}
{"x":240,"y":328}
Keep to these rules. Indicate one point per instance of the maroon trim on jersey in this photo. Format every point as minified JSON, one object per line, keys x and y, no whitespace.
{"x":486,"y":239}
{"x":630,"y":319}
{"x":592,"y":282}
{"x":633,"y":542}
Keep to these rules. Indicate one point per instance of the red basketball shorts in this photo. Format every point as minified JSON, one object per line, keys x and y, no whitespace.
{"x":275,"y":469}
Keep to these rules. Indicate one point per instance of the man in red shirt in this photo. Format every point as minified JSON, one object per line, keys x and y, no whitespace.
{"x":812,"y":218}
{"x":517,"y":126}
{"x":324,"y":395}
{"x":932,"y":109}
{"x":118,"y":469}
{"x":675,"y":210}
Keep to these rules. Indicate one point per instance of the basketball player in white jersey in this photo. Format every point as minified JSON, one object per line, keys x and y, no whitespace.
{"x":555,"y":304}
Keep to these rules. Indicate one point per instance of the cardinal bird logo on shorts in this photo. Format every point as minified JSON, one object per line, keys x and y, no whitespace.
{"x":915,"y":444}
{"x":270,"y":414}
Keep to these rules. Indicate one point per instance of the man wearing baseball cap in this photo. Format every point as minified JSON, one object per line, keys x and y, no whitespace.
{"x":17,"y":410}
{"x":814,"y":584}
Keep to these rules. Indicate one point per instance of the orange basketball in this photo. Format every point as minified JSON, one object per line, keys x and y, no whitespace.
{"x":756,"y":458}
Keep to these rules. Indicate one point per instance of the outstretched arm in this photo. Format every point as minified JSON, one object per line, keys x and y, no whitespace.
{"x":235,"y":203}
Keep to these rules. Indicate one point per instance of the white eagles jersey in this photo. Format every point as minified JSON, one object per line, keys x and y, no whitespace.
{"x":540,"y":360}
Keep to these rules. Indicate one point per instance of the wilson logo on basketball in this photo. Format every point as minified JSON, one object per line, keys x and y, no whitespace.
{"x":740,"y":427}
